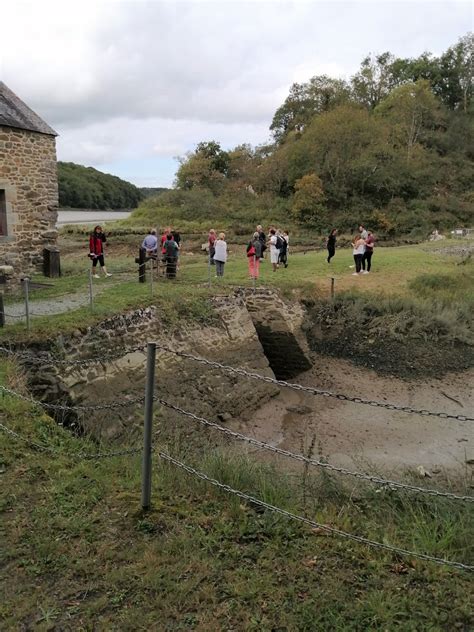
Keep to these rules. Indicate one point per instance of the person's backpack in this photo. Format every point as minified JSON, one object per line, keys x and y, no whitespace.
{"x":279,"y":243}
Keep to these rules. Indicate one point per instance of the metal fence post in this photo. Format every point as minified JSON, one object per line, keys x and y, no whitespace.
{"x":141,"y":265}
{"x":255,"y":272}
{"x":91,"y":292}
{"x":332,"y":287}
{"x":26,"y":288}
{"x":151,"y":277}
{"x":148,"y":424}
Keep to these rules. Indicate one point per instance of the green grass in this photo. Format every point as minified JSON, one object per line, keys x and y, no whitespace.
{"x":78,"y":553}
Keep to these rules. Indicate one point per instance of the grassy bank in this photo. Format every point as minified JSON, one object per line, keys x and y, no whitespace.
{"x":79,"y":554}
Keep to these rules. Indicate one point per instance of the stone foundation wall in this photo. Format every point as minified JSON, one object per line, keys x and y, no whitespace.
{"x":28,"y":174}
{"x":230,"y":338}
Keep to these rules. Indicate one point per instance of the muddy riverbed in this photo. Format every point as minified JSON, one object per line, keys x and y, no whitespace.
{"x":370,"y":438}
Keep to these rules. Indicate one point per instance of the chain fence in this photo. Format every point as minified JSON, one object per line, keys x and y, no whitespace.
{"x":312,"y":523}
{"x":241,"y":437}
{"x":332,"y":530}
{"x":311,"y":389}
{"x":393,"y":485}
{"x":245,"y":373}
{"x":78,"y":456}
{"x":76,"y":408}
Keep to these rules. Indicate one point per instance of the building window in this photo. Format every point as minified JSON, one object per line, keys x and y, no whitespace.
{"x":3,"y":214}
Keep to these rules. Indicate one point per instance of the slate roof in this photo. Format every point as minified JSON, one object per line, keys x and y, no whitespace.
{"x":15,"y":113}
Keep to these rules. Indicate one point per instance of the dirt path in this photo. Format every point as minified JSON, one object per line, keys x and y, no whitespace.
{"x":15,"y":312}
{"x":356,"y":435}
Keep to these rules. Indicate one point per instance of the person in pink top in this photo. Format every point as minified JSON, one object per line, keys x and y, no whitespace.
{"x":211,"y":241}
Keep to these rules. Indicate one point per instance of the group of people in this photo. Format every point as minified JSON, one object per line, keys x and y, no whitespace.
{"x":276,"y":241}
{"x":167,"y":247}
{"x":362,"y":249}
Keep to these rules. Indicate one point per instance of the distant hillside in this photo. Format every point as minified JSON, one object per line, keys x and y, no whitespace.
{"x":153,"y":191}
{"x":85,"y":187}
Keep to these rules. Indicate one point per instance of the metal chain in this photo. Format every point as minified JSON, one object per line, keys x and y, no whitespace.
{"x":80,"y":456}
{"x":12,"y":315}
{"x":300,"y":457}
{"x":264,"y":378}
{"x":44,"y":357}
{"x":32,"y":444}
{"x":114,"y":406}
{"x":311,"y":389}
{"x":312,"y":523}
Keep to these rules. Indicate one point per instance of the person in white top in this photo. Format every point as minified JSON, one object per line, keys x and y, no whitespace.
{"x":363,"y":232}
{"x":220,"y":255}
{"x":274,"y":252}
{"x":358,"y":249}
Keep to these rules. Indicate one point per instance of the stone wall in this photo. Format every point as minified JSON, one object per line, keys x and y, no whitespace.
{"x":28,"y":174}
{"x":230,"y":338}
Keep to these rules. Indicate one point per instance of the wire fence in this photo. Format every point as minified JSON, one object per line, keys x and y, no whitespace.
{"x":242,"y":372}
{"x":77,"y":456}
{"x":150,"y":398}
{"x":316,"y":525}
{"x":81,"y":456}
{"x":390,"y":484}
{"x":377,"y":480}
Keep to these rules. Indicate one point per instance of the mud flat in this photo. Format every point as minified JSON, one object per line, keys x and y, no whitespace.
{"x":356,"y":435}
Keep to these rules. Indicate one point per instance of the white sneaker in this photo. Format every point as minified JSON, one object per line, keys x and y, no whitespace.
{"x":355,"y":274}
{"x":108,"y":274}
{"x":365,"y":272}
{"x":96,"y":276}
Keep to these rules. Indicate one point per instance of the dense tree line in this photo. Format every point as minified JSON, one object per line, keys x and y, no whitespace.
{"x":152,"y":191}
{"x":85,"y":187}
{"x":393,"y":146}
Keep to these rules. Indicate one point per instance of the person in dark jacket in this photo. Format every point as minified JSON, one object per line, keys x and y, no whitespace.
{"x":96,"y":251}
{"x":171,"y":252}
{"x":283,"y":257}
{"x":331,"y":244}
{"x":263,"y":240}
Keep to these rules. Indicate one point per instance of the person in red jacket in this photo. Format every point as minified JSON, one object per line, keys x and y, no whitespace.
{"x":96,"y":251}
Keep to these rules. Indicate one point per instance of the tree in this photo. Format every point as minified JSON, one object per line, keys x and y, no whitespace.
{"x":413,"y":110}
{"x":374,"y":80}
{"x":206,"y":167}
{"x":308,"y":202}
{"x":212,"y":150}
{"x":306,"y":100}
{"x":457,"y":66}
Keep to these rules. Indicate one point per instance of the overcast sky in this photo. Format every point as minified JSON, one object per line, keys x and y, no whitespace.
{"x":131,"y":85}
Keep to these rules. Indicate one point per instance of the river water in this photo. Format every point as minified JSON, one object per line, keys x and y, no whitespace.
{"x":89,"y":217}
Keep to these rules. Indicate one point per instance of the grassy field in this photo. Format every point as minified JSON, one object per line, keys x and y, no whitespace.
{"x":79,"y":554}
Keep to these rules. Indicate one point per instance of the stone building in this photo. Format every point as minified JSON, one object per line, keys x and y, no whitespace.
{"x":28,"y":186}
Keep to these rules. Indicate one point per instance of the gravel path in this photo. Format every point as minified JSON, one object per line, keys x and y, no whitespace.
{"x":15,"y":312}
